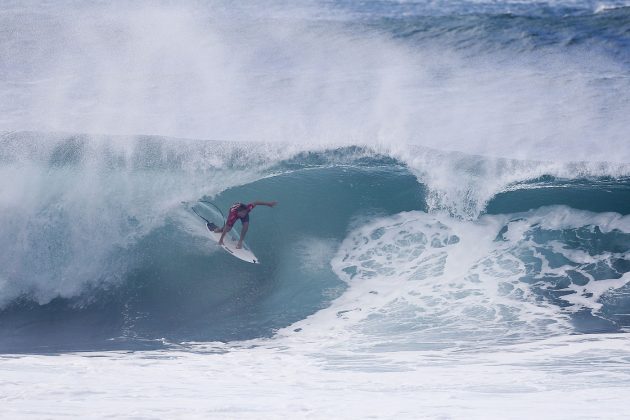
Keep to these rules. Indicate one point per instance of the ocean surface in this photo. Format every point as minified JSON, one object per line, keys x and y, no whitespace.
{"x":452,"y":238}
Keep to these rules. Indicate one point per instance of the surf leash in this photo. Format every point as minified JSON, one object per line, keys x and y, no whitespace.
{"x":213,"y":205}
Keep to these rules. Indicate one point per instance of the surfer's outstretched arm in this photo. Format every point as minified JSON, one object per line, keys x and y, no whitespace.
{"x":265,"y":203}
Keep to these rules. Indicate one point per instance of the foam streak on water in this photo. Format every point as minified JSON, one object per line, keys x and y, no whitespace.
{"x":577,"y":377}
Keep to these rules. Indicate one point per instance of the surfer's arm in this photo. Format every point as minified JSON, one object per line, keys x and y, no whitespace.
{"x":243,"y":232}
{"x":226,"y":229}
{"x":265,"y":203}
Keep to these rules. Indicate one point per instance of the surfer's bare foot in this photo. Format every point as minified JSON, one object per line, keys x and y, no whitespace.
{"x":239,"y":245}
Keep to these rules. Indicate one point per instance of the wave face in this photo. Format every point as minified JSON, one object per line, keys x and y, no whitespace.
{"x":105,"y":245}
{"x":449,"y":174}
{"x":100,"y":251}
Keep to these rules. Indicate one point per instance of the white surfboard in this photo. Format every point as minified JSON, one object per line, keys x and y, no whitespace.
{"x":229,"y":244}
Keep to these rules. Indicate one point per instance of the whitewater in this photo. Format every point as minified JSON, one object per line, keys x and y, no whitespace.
{"x":452,"y":238}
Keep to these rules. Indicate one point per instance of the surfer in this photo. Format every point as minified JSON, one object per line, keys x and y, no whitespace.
{"x":240,"y":211}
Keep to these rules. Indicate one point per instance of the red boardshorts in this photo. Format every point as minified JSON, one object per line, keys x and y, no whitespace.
{"x":233,"y":214}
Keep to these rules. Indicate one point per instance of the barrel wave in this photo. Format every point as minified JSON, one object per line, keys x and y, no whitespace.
{"x":452,"y":234}
{"x":102,"y":250}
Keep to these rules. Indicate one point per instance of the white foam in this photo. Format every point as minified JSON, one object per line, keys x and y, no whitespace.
{"x":70,"y":225}
{"x":422,"y":280}
{"x":570,"y":376}
{"x":283,"y":74}
{"x":237,"y":73}
{"x":464,"y":184}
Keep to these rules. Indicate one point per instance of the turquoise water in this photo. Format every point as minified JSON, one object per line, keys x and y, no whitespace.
{"x":155,"y":278}
{"x":427,"y":124}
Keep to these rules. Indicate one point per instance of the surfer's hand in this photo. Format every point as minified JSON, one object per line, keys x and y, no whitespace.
{"x":272,"y":203}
